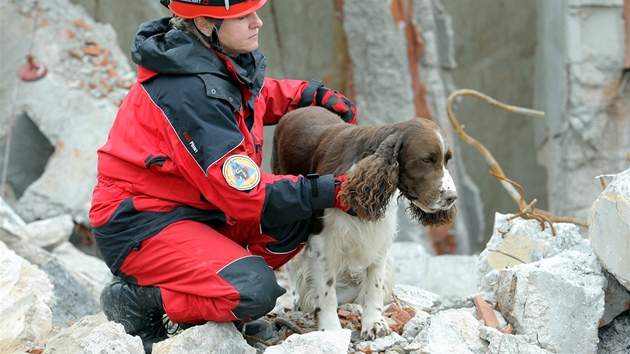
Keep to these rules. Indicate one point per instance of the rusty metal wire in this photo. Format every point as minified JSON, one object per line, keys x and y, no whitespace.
{"x":529,"y":210}
{"x":513,"y":189}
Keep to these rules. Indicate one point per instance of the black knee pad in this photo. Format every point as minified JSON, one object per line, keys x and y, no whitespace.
{"x":256,"y":283}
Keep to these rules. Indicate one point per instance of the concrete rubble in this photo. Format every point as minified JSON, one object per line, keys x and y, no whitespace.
{"x":26,"y":299}
{"x":87,"y":77}
{"x":559,"y":301}
{"x":536,"y":293}
{"x":610,"y":230}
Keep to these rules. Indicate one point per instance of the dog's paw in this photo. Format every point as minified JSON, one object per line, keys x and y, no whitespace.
{"x":328,"y":320}
{"x":375,"y":329}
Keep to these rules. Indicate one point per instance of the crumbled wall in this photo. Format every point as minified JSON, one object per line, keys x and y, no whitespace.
{"x":579,"y":69}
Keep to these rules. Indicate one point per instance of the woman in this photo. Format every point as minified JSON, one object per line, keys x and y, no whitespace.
{"x":182,"y":212}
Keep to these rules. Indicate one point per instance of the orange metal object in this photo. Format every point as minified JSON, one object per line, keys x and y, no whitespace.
{"x":32,"y":70}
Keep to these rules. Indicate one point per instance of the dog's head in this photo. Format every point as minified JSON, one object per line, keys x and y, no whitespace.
{"x":412,"y":159}
{"x":423,"y":177}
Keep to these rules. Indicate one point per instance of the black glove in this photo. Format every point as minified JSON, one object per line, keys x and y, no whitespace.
{"x":316,"y":94}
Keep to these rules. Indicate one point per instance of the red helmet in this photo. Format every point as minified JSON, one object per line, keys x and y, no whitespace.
{"x":220,"y":9}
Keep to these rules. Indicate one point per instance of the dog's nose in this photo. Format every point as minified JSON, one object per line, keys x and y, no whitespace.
{"x":449,"y":197}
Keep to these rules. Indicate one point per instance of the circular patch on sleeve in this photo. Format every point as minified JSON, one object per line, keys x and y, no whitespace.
{"x":241,"y":172}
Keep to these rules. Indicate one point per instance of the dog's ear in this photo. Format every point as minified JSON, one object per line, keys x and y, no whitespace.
{"x":371,"y":184}
{"x":390,"y":148}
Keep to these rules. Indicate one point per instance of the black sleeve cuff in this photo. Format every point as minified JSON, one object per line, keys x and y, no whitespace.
{"x":322,"y":191}
{"x":308,"y":95}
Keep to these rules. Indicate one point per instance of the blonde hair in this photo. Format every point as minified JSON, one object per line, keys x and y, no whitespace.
{"x":188,"y":25}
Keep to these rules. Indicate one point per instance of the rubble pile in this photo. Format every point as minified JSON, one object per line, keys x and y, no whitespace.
{"x":536,"y":293}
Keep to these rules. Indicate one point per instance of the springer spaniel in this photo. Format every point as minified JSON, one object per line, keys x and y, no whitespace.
{"x":346,"y":258}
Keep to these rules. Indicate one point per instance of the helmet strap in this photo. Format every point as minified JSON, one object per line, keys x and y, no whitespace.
{"x":214,"y":41}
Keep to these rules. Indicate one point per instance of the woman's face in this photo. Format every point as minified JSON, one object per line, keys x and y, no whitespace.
{"x":240,"y":35}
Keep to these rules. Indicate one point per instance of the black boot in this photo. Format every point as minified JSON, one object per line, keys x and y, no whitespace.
{"x":259,"y":328}
{"x":138,"y":308}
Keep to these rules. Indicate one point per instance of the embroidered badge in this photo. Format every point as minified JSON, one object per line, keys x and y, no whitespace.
{"x":241,"y":172}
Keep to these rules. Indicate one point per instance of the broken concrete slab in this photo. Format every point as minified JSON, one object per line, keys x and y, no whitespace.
{"x":452,"y":331}
{"x":609,"y":227}
{"x":327,"y":342}
{"x":48,"y":233}
{"x":419,"y":299}
{"x":76,"y":295}
{"x":26,"y":297}
{"x":110,"y":338}
{"x":558,"y":300}
{"x":94,"y":334}
{"x":35,"y":255}
{"x":500,"y":343}
{"x":521,"y":241}
{"x":211,"y":338}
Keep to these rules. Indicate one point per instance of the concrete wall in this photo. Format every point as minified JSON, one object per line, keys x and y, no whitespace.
{"x":561,"y":57}
{"x":495,"y":46}
{"x":579,"y":82}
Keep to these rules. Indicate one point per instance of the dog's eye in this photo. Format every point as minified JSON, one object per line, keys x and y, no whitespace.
{"x":428,"y":160}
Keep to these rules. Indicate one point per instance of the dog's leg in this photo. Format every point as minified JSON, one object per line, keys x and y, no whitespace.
{"x":323,"y":282}
{"x":372,"y":297}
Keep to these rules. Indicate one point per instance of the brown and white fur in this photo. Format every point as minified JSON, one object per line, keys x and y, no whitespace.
{"x":346,"y":258}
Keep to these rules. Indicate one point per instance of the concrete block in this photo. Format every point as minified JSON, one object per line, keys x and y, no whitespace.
{"x":609,"y":227}
{"x":522,"y":241}
{"x":452,"y":331}
{"x":558,"y":301}
{"x":212,"y":337}
{"x":500,"y":343}
{"x":26,"y":297}
{"x":318,"y":342}
{"x":80,"y":338}
{"x":111,"y":338}
{"x":48,"y":233}
{"x":419,"y":299}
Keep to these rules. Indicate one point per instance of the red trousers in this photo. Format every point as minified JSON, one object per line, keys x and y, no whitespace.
{"x":210,"y":274}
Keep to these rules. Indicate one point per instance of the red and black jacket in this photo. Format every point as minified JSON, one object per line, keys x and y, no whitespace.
{"x":187,"y":144}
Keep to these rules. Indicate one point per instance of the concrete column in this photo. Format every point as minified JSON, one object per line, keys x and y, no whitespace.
{"x":586,"y":132}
